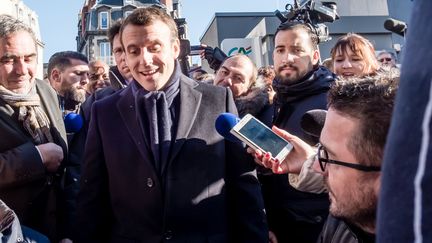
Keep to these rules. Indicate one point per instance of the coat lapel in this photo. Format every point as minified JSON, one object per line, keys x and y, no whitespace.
{"x":190,"y":101}
{"x":50,"y":103}
{"x":127,"y":109}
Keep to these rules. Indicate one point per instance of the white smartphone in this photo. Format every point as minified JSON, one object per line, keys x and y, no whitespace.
{"x":258,"y":136}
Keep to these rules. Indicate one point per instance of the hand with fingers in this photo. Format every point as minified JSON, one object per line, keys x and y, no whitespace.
{"x":51,"y":154}
{"x":293,"y":162}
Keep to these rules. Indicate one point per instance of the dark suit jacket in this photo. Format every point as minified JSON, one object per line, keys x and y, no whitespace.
{"x":24,"y":185}
{"x":211,"y":192}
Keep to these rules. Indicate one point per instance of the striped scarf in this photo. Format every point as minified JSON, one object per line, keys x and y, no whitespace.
{"x":31,"y":114}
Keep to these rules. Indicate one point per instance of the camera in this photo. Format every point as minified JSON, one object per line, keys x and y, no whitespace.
{"x":313,"y":13}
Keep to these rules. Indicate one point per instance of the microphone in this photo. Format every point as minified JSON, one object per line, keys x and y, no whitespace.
{"x":73,"y":122}
{"x":395,"y":26}
{"x":224,"y":123}
{"x":312,"y":122}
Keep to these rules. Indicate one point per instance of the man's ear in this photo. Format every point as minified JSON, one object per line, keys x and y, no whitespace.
{"x":176,"y":47}
{"x":315,"y":57}
{"x":55,"y":76}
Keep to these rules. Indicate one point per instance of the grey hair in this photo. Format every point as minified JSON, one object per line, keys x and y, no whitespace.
{"x":387,"y":52}
{"x":10,"y":25}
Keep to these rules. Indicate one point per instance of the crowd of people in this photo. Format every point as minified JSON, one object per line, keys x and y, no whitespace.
{"x":147,"y":164}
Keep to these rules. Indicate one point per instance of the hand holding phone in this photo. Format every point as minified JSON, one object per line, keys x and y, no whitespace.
{"x":259,"y":137}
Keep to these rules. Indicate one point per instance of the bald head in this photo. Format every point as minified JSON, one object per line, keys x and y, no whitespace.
{"x":237,"y":72}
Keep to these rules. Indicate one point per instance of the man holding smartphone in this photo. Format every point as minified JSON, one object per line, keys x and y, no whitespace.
{"x":348,"y":160}
{"x":301,"y":85}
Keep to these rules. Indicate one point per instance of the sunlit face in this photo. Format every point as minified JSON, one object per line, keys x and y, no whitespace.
{"x":150,"y":53}
{"x":72,"y":81}
{"x":352,"y":196}
{"x":294,"y":55}
{"x":98,"y":76}
{"x":235,"y":73}
{"x":348,"y":64}
{"x":119,"y":56}
{"x":386,"y":59}
{"x":18,"y":62}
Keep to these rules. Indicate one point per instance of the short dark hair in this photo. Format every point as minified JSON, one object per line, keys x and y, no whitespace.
{"x":370,"y":100}
{"x":114,"y":30}
{"x":147,"y":16}
{"x":292,"y":25}
{"x":62,"y":60}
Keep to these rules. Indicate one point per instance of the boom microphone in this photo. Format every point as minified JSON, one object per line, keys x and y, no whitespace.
{"x":224,"y":123}
{"x":396,"y":26}
{"x":312,"y":122}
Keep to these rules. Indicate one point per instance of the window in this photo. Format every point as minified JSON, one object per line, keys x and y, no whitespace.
{"x":105,"y":52}
{"x":103,"y":20}
{"x":127,"y":13}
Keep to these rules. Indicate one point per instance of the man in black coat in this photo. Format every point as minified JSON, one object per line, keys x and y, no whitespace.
{"x":33,"y":138}
{"x":155,"y":168}
{"x":301,"y":85}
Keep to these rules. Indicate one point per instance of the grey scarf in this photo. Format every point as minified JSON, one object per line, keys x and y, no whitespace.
{"x":31,"y":114}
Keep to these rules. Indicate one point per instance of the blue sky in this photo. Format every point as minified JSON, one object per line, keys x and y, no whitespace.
{"x":58,"y":18}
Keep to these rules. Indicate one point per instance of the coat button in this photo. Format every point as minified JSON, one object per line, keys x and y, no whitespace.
{"x":149,"y":182}
{"x":168,"y":235}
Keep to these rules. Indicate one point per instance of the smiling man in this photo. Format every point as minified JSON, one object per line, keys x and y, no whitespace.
{"x":32,"y":134}
{"x":300,"y":85}
{"x":155,"y":168}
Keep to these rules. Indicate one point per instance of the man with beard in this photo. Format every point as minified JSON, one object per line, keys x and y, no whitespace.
{"x":301,"y":85}
{"x":68,"y":75}
{"x":349,"y":156}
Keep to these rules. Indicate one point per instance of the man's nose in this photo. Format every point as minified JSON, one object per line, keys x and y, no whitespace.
{"x":147,"y":58}
{"x":84,"y":79}
{"x":20,"y":67}
{"x":228,"y":81}
{"x":289,"y":58}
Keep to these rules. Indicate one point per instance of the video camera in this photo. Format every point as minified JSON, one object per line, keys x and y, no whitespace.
{"x":313,"y":13}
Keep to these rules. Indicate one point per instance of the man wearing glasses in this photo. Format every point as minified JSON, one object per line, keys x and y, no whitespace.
{"x":348,"y":158}
{"x":387,"y":59}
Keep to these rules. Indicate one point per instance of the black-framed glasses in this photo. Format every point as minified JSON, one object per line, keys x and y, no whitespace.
{"x":324,"y":160}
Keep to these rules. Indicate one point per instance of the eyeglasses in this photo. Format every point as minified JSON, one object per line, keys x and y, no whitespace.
{"x":324,"y":160}
{"x":387,"y":59}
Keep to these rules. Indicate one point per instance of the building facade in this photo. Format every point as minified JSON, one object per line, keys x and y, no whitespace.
{"x":365,"y":17}
{"x":17,"y":9}
{"x":96,"y":18}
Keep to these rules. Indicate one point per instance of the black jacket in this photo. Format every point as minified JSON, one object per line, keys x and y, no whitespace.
{"x":336,"y":230}
{"x":210,"y":192}
{"x":296,"y":216}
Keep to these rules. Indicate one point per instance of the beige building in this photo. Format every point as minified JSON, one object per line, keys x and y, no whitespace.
{"x":19,"y":10}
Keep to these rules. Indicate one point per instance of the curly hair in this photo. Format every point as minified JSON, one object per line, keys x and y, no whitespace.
{"x":370,"y":100}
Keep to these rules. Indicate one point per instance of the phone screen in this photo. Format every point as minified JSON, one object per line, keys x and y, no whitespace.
{"x":263,"y":137}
